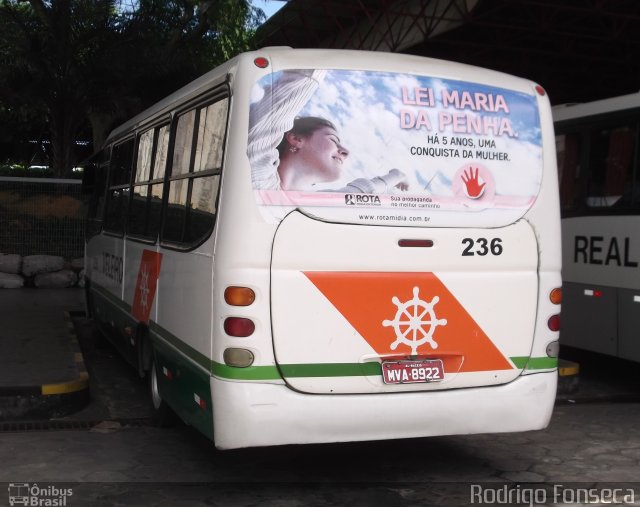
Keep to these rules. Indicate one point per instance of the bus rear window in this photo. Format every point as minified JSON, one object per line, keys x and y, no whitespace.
{"x":597,"y":167}
{"x":360,"y":146}
{"x":611,"y":167}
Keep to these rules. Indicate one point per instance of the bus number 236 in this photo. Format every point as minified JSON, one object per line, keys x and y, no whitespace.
{"x":482,"y":246}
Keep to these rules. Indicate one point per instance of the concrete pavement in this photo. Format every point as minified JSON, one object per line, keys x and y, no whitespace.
{"x":42,"y":372}
{"x":591,"y":446}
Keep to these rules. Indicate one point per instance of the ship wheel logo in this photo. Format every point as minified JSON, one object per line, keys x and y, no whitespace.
{"x":415,"y":322}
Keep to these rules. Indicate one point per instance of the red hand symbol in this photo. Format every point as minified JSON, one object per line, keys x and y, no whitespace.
{"x":474,"y":188}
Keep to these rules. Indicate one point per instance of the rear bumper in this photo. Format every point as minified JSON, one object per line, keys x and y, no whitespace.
{"x":252,"y":414}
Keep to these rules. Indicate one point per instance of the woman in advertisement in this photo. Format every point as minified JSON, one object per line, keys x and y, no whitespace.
{"x":295,"y":153}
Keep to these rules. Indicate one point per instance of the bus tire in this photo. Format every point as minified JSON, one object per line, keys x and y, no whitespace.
{"x":162,"y":414}
{"x":88,"y":300}
{"x":143,"y":350}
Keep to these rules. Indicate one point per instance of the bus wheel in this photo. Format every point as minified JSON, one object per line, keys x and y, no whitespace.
{"x":163,"y":416}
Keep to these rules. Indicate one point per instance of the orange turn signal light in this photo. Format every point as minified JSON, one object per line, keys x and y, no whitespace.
{"x":239,"y":296}
{"x":555,"y":296}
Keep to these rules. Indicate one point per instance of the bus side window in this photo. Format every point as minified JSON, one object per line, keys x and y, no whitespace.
{"x":611,"y":158}
{"x":95,"y":209}
{"x":568,"y":149}
{"x":137,"y":221}
{"x":146,"y":202}
{"x":156,"y":185}
{"x":195,"y":176}
{"x":118,"y":194}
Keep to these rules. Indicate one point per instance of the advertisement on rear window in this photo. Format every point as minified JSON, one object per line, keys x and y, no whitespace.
{"x":378,"y":147}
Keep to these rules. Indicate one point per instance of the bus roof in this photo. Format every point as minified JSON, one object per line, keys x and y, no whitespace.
{"x":187,"y":92}
{"x":571,"y":111}
{"x":321,"y":58}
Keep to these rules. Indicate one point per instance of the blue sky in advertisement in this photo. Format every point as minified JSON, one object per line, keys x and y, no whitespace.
{"x":367,"y":108}
{"x":385,"y":89}
{"x":431,"y":132}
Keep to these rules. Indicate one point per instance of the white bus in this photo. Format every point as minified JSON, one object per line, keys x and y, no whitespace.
{"x":318,"y":246}
{"x":599,"y":167}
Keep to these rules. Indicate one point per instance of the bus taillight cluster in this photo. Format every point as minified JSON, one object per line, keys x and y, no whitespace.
{"x":555,"y":296}
{"x":239,"y":327}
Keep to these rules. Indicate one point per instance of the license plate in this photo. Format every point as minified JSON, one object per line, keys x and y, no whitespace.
{"x":412,"y":372}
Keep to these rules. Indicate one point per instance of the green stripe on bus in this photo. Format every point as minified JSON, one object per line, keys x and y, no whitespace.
{"x":197,"y":357}
{"x":248,"y":373}
{"x":331,"y":369}
{"x":343,"y":369}
{"x":188,"y":389}
{"x":535,"y":363}
{"x":115,"y":300}
{"x":296,"y":370}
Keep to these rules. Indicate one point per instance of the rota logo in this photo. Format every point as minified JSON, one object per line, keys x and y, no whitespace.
{"x":355,"y":199}
{"x":415,"y":322}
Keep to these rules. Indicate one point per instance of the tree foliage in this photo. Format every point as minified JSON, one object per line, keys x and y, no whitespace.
{"x":73,"y":68}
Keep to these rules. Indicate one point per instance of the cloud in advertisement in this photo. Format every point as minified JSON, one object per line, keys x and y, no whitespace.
{"x":365,"y":108}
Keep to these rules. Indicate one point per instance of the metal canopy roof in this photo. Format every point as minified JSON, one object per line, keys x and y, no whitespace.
{"x":579,"y":50}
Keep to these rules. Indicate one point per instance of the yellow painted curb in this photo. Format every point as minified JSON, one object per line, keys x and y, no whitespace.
{"x":568,"y":368}
{"x":82,"y":382}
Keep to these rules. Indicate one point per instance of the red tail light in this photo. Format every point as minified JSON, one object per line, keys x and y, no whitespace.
{"x":425,"y":243}
{"x":238,"y":326}
{"x":261,"y":62}
{"x":554,"y":323}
